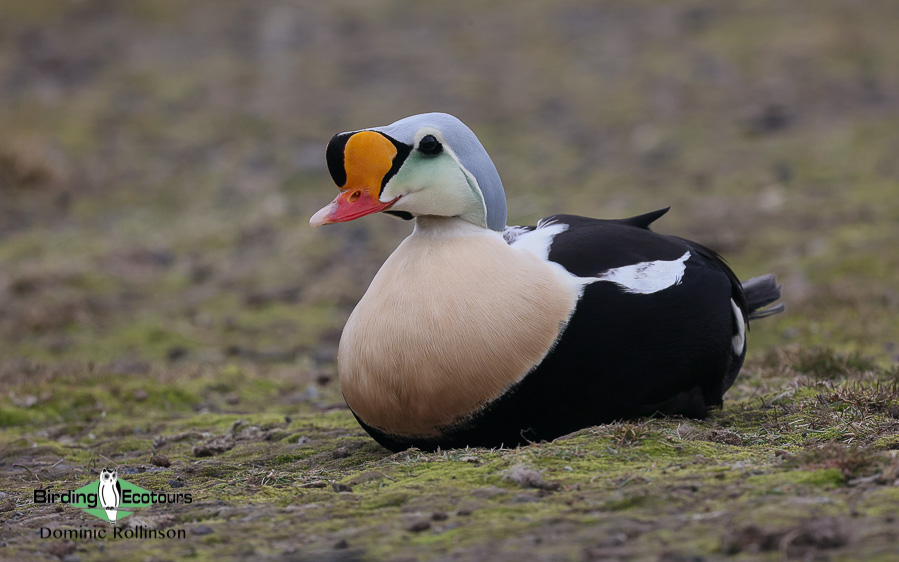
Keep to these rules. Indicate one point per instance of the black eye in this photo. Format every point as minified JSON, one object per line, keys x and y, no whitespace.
{"x":429,"y":145}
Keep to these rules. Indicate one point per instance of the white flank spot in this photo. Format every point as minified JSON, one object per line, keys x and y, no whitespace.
{"x":741,"y":329}
{"x":648,"y":277}
{"x":539,"y":240}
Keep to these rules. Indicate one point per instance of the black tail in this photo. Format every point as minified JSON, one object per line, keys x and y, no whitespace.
{"x":760,"y":292}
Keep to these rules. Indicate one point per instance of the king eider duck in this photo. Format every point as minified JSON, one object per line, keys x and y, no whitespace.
{"x":474,"y":333}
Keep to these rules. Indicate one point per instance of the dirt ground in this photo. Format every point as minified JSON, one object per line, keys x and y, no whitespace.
{"x":166,"y":310}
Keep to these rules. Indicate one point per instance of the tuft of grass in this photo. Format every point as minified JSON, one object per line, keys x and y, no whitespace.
{"x":626,"y":434}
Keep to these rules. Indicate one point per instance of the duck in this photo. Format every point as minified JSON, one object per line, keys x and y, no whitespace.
{"x":474,"y":333}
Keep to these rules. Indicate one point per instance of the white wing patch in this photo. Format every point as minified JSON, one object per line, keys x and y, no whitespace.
{"x":539,"y":240}
{"x":512,"y":233}
{"x":646,"y":278}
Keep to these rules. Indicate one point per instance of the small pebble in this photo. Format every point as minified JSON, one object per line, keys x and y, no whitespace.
{"x":202,"y":530}
{"x":419,"y":526}
{"x":161,"y":460}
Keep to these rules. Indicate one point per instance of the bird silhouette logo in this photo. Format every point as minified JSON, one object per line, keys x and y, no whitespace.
{"x":110,"y":493}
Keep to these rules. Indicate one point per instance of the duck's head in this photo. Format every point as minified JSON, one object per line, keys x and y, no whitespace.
{"x":428,"y":164}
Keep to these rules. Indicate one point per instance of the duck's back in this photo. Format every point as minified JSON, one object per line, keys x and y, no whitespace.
{"x":662,"y":329}
{"x":669,"y":346}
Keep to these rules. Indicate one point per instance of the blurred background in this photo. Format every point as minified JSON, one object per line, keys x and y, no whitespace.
{"x":159,"y":159}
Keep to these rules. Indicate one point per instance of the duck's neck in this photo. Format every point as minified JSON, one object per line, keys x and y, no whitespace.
{"x":440,"y":227}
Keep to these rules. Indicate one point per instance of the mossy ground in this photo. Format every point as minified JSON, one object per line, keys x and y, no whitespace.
{"x":800,"y":462}
{"x":162,"y":296}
